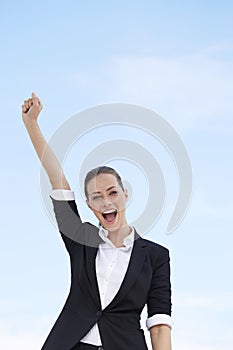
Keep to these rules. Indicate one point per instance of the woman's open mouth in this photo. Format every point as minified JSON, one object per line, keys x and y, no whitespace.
{"x":110,"y":216}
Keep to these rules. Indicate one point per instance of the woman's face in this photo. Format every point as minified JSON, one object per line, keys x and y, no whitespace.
{"x":107,"y":200}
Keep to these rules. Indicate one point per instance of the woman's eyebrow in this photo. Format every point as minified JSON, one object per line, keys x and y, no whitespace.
{"x":95,"y":192}
{"x":108,"y":189}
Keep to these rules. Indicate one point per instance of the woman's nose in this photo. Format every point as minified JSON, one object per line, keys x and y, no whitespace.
{"x":107,"y":201}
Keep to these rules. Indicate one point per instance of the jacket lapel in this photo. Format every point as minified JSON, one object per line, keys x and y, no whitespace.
{"x":137,"y":259}
{"x":90,"y":257}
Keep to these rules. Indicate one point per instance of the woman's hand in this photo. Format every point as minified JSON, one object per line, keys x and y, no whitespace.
{"x":31,"y":108}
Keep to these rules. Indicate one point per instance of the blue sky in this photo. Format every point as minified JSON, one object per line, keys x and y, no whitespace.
{"x":174,"y":57}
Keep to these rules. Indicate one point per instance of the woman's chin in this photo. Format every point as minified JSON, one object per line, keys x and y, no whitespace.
{"x":110,"y":226}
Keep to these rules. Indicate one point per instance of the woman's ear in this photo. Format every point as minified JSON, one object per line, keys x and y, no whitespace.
{"x":126,"y":193}
{"x":88,"y":204}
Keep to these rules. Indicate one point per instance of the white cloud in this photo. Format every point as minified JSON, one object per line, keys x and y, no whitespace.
{"x":221,"y":302}
{"x":202,"y":207}
{"x":193,"y":90}
{"x":203,"y":321}
{"x":24,"y":325}
{"x":185,"y":346}
{"x":19,"y":341}
{"x":18,"y":333}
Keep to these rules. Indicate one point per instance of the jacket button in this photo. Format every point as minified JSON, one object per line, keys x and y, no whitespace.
{"x":98,"y":313}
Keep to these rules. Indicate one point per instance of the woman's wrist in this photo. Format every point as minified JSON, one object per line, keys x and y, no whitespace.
{"x":29,"y":122}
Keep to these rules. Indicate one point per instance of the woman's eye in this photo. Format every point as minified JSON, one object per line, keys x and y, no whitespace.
{"x":96,"y":197}
{"x":113,"y":193}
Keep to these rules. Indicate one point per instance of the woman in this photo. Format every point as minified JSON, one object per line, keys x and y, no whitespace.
{"x":114,"y":272}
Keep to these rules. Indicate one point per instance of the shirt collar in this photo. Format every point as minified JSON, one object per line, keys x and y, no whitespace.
{"x":128,"y":240}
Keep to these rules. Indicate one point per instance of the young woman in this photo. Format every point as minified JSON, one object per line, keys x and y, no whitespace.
{"x":114,"y":272}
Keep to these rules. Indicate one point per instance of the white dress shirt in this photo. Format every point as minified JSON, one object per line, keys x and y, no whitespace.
{"x":111,"y":266}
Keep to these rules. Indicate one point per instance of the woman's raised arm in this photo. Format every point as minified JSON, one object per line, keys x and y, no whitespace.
{"x":31,"y":109}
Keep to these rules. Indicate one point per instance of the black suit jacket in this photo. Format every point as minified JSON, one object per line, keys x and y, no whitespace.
{"x":147,"y":281}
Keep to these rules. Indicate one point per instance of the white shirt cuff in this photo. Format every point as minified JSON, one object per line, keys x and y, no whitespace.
{"x":159,"y":319}
{"x":62,"y":195}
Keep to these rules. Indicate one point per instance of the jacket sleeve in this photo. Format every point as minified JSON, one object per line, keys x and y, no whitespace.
{"x":159,"y":296}
{"x":73,"y":231}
